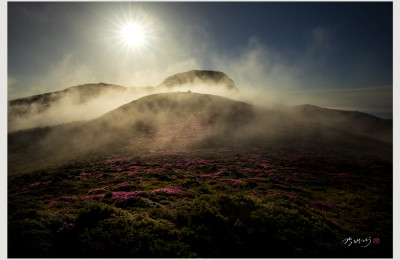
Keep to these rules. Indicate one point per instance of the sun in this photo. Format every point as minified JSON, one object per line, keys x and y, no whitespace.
{"x":131,"y":32}
{"x":133,"y":35}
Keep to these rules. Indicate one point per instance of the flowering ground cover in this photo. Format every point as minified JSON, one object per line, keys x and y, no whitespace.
{"x":223,"y":204}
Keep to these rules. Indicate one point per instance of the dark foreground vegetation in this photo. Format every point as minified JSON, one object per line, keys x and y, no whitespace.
{"x":221,"y":205}
{"x":220,"y":184}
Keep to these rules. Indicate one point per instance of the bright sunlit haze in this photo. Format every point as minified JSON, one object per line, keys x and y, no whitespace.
{"x":133,"y":35}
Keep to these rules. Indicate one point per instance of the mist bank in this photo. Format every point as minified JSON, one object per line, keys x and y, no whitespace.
{"x":90,"y":101}
{"x":179,"y":123}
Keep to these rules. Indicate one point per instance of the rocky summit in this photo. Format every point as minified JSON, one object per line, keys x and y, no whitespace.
{"x":194,"y":77}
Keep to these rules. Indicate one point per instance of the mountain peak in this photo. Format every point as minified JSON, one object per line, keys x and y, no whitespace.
{"x":193,"y":77}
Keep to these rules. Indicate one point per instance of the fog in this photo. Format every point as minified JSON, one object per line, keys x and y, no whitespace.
{"x":87,"y":102}
{"x":171,"y":122}
{"x":68,"y":106}
{"x":186,"y":122}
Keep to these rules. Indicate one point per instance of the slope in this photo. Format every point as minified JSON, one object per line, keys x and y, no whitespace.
{"x":179,"y":122}
{"x":79,"y":94}
{"x":352,"y":121}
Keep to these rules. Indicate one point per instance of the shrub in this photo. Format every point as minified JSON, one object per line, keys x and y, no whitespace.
{"x":239,"y":226}
{"x":119,"y":234}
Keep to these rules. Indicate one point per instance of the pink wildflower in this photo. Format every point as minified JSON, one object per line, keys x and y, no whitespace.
{"x":128,"y":194}
{"x":96,"y":196}
{"x":34,"y":184}
{"x":170,"y":191}
{"x":65,"y":198}
{"x":326,"y":204}
{"x":289,"y":196}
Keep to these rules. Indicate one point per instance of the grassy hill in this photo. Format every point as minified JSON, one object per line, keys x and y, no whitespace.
{"x":195,"y":175}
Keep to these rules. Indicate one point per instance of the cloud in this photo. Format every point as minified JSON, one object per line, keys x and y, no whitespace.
{"x":266,"y":77}
{"x":68,"y":71}
{"x":258,"y":67}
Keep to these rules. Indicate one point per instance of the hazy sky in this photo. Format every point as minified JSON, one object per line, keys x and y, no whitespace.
{"x":336,"y":54}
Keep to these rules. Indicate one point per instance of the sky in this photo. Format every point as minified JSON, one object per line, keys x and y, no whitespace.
{"x":330,"y":54}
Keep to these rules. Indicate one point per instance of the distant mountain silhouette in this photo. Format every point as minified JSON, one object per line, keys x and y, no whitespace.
{"x":81,"y":94}
{"x":76,"y":95}
{"x":206,"y":77}
{"x":76,"y":103}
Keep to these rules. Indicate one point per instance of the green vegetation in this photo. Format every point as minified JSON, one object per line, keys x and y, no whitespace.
{"x":232,"y":205}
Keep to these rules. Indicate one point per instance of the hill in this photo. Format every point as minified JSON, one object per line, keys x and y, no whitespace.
{"x":196,"y":175}
{"x":79,"y":94}
{"x":156,"y":122}
{"x":155,"y":119}
{"x":352,"y":121}
{"x":76,"y":103}
{"x":88,"y":101}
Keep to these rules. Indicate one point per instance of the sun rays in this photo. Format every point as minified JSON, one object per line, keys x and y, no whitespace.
{"x":133,"y":35}
{"x":131,"y":32}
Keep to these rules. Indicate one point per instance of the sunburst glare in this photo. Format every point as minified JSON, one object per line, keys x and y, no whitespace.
{"x":133,"y":34}
{"x":132,"y":31}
